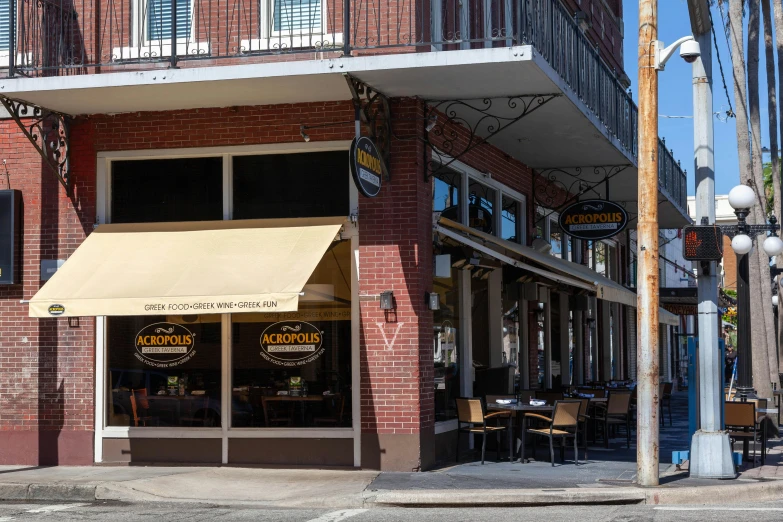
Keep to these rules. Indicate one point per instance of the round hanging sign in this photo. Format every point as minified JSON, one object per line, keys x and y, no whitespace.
{"x":593,"y":219}
{"x":366,"y":166}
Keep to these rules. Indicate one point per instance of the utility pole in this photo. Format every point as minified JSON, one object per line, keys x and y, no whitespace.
{"x":647,"y":236}
{"x":710,"y":455}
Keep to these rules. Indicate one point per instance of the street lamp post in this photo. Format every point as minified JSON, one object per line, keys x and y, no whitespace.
{"x":742,"y":198}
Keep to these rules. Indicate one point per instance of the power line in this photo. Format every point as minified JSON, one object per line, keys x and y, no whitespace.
{"x":730,"y":112}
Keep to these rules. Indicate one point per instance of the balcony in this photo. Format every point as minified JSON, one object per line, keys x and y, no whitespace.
{"x":159,"y":51}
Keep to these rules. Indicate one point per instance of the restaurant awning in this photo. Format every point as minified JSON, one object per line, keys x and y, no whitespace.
{"x":208,"y":267}
{"x":558,"y":269}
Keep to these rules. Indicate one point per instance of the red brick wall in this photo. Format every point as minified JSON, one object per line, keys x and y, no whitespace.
{"x":46,"y":367}
{"x":605,"y":17}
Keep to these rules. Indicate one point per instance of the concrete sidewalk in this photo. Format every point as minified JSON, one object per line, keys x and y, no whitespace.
{"x":471,"y":484}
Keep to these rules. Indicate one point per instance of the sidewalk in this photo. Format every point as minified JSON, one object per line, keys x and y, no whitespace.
{"x":607,"y":477}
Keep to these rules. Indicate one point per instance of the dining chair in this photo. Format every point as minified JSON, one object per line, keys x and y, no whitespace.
{"x":337,"y":410}
{"x":275,"y":415}
{"x":140,"y":407}
{"x":584,"y":418}
{"x":616,"y":411}
{"x":665,"y":399}
{"x":564,"y":423}
{"x":740,"y":418}
{"x":598,"y":393}
{"x":470,"y":412}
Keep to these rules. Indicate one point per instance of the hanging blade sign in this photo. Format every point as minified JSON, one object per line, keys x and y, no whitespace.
{"x":366,"y":166}
{"x":593,"y":219}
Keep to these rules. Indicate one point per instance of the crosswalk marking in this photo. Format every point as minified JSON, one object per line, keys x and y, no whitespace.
{"x":338,"y":516}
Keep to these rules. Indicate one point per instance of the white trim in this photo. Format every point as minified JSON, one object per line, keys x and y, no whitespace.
{"x":226,"y":384}
{"x":446,"y":426}
{"x":151,"y":432}
{"x":486,"y":179}
{"x":236,"y":150}
{"x":294,"y":41}
{"x":100,"y":386}
{"x":356,"y":411}
{"x":291,"y":433}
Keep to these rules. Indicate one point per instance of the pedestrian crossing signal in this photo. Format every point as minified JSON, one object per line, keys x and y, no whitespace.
{"x":702,"y":243}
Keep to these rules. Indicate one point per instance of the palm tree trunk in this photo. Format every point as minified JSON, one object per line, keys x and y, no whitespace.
{"x":762,"y":322}
{"x":769,"y":60}
{"x":758,"y":328}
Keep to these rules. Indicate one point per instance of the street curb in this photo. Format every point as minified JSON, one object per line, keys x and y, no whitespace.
{"x":49,"y":492}
{"x":702,"y":495}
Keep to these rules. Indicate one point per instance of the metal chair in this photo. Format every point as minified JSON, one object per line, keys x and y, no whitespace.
{"x":470,"y":412}
{"x":139,"y":405}
{"x":615,"y":412}
{"x":565,"y":417}
{"x":741,"y":416}
{"x":665,"y":399}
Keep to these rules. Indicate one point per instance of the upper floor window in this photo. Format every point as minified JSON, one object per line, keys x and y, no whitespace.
{"x":296,"y":16}
{"x":446,"y":194}
{"x":5,"y":25}
{"x":159,"y":19}
{"x":510,"y":225}
{"x":481,"y":206}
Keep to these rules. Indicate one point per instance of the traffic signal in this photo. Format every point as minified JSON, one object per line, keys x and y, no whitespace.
{"x":702,"y":243}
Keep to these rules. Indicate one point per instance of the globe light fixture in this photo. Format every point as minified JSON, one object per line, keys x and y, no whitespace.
{"x":741,"y":244}
{"x":773,"y":246}
{"x":742,"y":197}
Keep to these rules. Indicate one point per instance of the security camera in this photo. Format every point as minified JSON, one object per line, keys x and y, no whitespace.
{"x":690,"y":51}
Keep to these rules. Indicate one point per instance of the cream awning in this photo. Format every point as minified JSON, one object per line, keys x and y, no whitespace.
{"x":564,"y":271}
{"x":209,"y":267}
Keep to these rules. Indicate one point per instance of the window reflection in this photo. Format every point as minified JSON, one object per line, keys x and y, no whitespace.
{"x":446,"y":194}
{"x":446,"y":346}
{"x":555,"y":238}
{"x":481,"y":200}
{"x":509,"y":225}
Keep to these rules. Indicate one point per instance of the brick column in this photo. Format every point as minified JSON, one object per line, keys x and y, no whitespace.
{"x":395,"y":253}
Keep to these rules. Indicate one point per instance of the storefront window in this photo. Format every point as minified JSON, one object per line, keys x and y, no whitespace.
{"x":541,"y":222}
{"x":291,"y":185}
{"x":600,"y":257}
{"x":446,"y":346}
{"x":481,"y":207}
{"x":164,"y":371}
{"x":510,"y":227}
{"x":166,"y":190}
{"x":446,"y":195}
{"x":294,"y":369}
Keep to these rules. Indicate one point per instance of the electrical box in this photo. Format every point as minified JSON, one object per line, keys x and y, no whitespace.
{"x":10,"y":236}
{"x":702,"y":243}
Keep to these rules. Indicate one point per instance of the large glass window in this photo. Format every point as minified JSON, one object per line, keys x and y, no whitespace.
{"x":5,"y":25}
{"x":294,"y":369}
{"x":555,"y":238}
{"x":481,"y":207}
{"x":446,"y":346}
{"x":599,"y":252}
{"x":446,"y":194}
{"x":291,"y":185}
{"x":164,"y":371}
{"x":148,"y":191}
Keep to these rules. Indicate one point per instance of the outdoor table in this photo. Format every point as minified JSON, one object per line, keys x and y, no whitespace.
{"x":777,"y":397}
{"x":520,"y":409}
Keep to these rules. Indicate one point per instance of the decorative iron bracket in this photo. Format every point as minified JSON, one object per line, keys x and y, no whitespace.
{"x":48,"y":131}
{"x":374,"y":110}
{"x":556,"y":194}
{"x":455,"y":127}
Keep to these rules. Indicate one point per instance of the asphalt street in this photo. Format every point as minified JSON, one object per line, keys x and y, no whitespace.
{"x":113,"y":511}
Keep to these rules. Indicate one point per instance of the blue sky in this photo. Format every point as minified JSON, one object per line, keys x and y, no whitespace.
{"x":675,"y":91}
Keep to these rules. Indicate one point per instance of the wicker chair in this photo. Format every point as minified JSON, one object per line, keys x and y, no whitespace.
{"x":563,"y":424}
{"x":740,"y":419}
{"x":470,"y":412}
{"x":615,"y":412}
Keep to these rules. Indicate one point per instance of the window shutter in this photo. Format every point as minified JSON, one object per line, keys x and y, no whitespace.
{"x":297,"y":16}
{"x":5,"y":25}
{"x":159,"y":19}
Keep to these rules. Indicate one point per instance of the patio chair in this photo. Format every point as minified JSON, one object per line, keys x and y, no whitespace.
{"x":584,"y":418}
{"x":471,"y":413}
{"x":497,"y":415}
{"x":615,"y":412}
{"x":740,"y":419}
{"x":563,"y":424}
{"x":665,"y":399}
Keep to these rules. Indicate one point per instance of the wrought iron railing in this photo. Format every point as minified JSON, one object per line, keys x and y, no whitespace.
{"x":671,"y":177}
{"x":64,"y":37}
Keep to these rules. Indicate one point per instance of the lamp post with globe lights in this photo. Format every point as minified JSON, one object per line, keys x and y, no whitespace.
{"x":742,"y":198}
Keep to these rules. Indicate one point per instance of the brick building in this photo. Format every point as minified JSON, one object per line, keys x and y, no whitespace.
{"x":168,"y":154}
